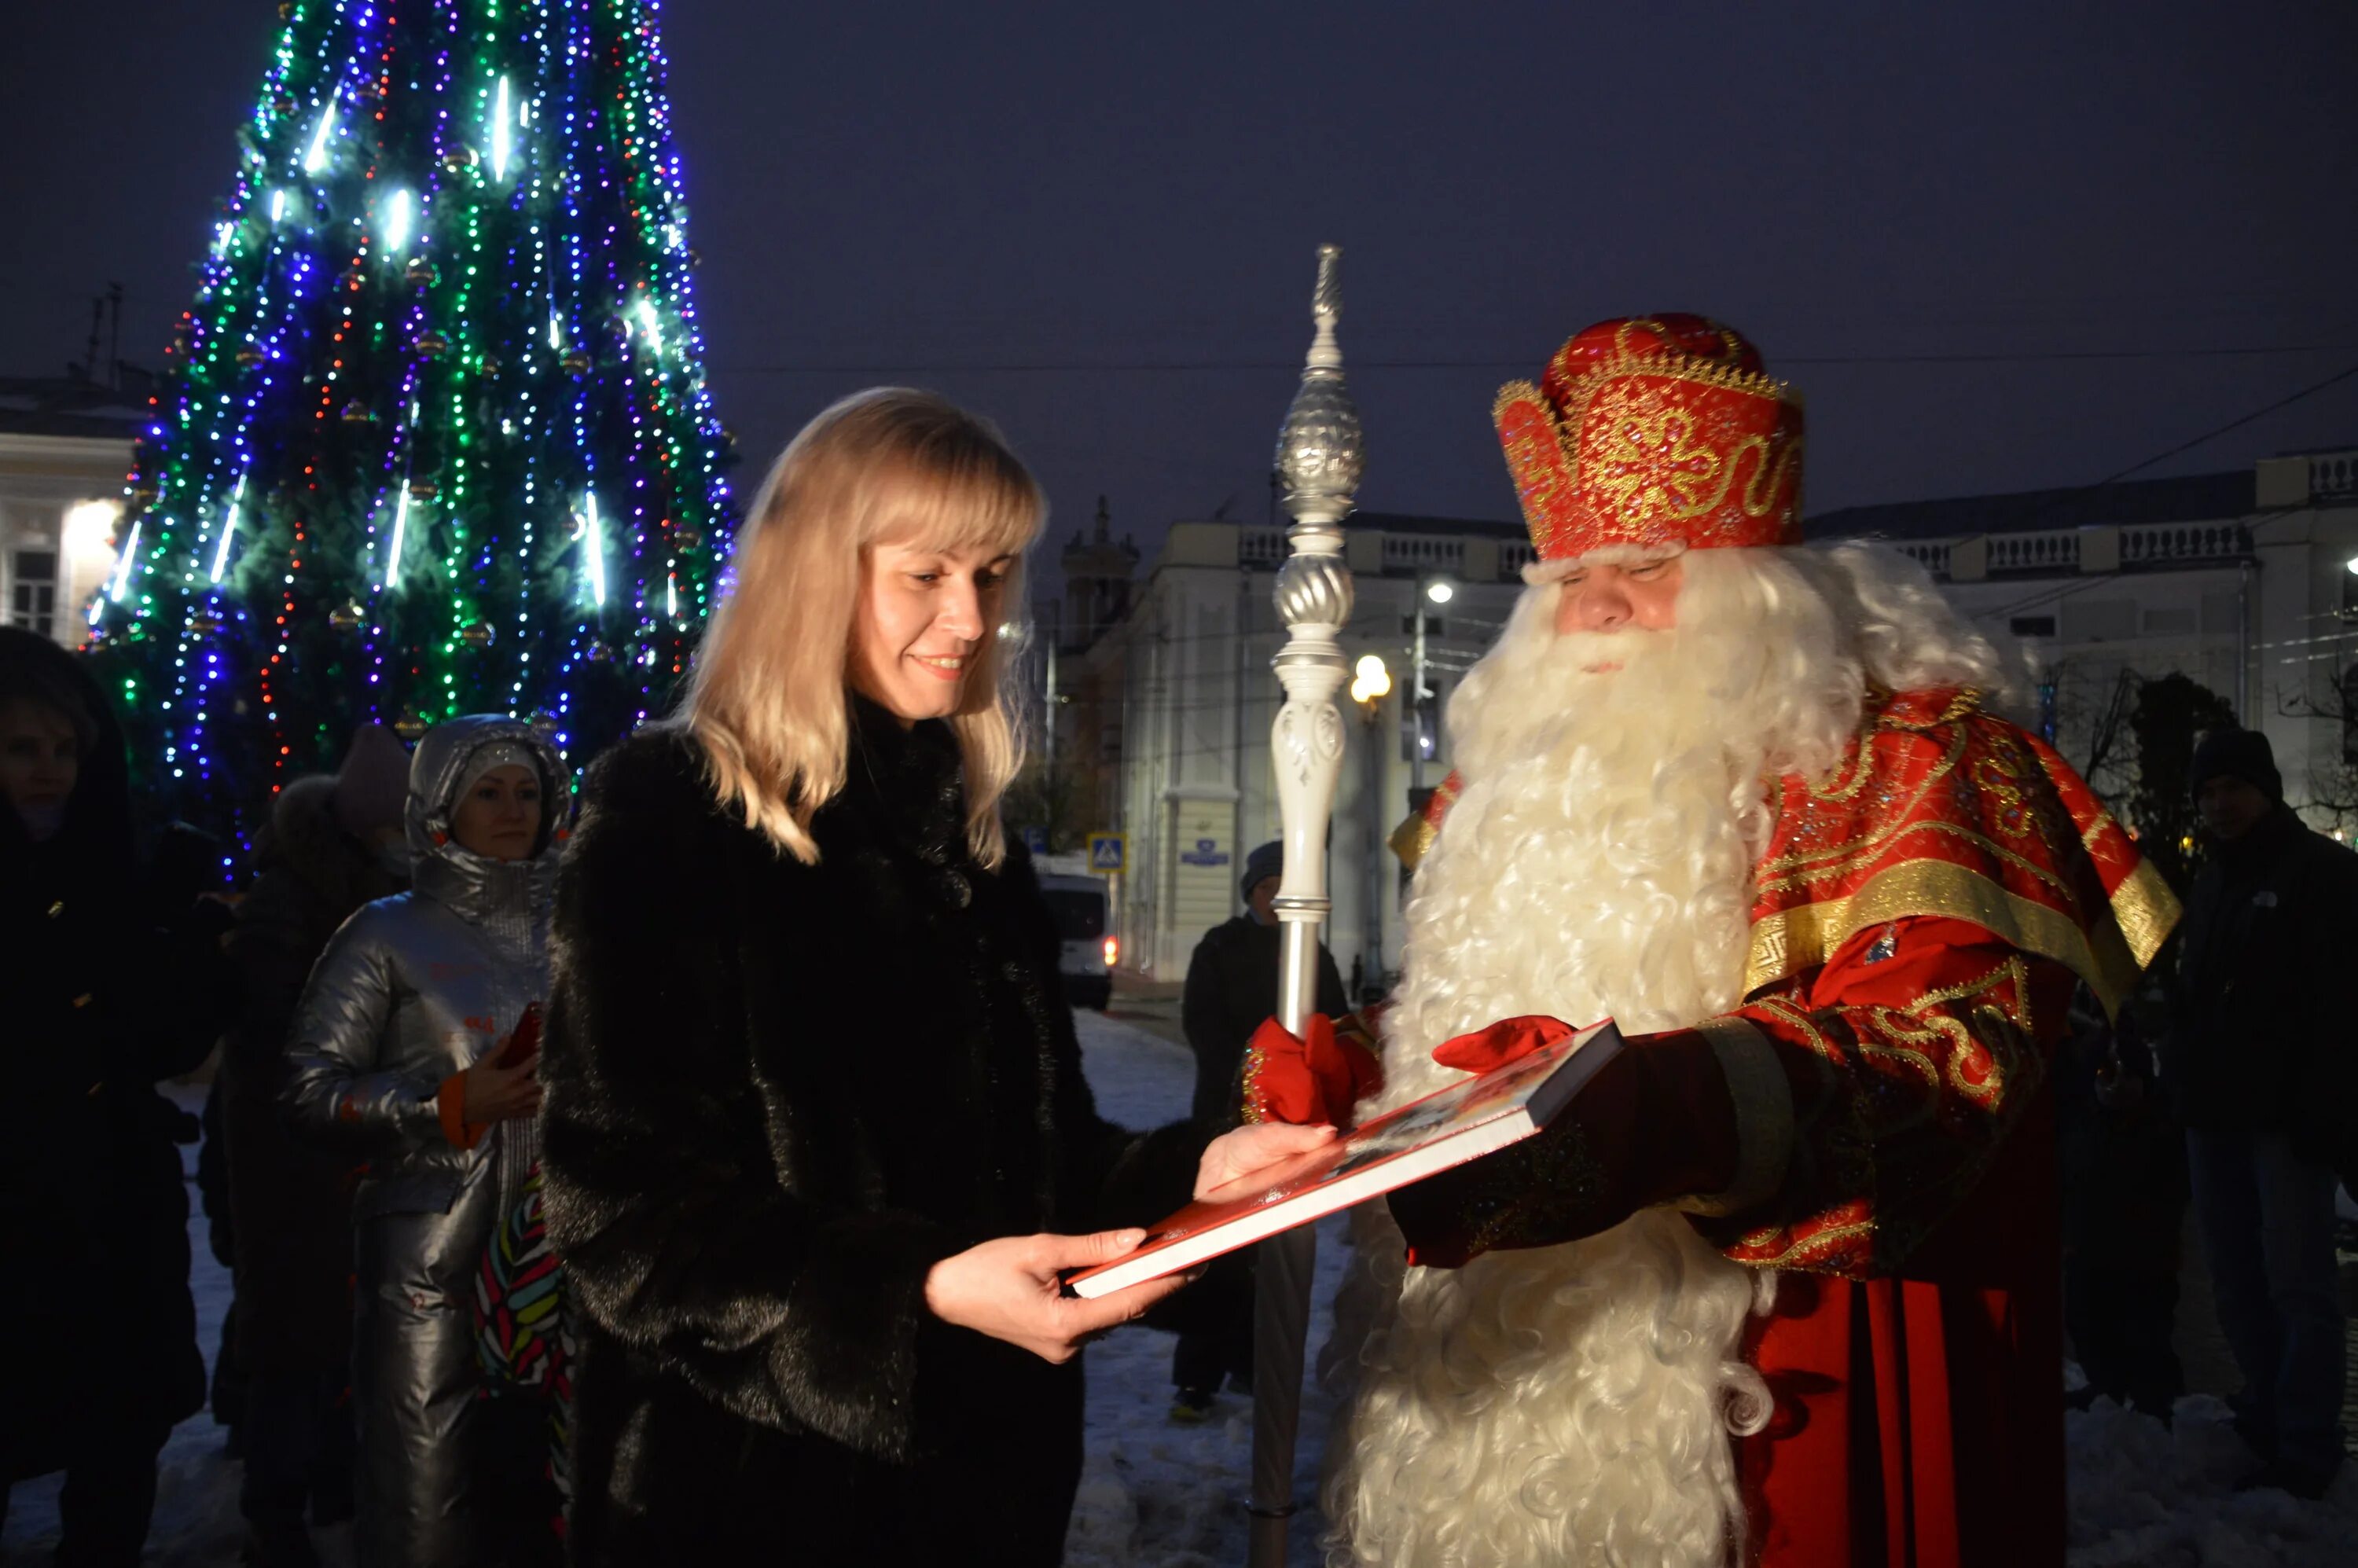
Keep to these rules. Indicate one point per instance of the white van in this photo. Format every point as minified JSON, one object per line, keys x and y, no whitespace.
{"x":1090,"y":949}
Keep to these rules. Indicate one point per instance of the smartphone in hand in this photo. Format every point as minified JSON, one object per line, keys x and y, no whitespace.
{"x":523,"y":1042}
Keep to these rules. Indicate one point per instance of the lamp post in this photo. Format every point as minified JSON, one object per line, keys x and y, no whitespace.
{"x":1370,"y":683}
{"x":1319,"y":454}
{"x":1440,"y":590}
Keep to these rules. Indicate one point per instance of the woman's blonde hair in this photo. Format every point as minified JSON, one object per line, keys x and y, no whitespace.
{"x":768,"y":700}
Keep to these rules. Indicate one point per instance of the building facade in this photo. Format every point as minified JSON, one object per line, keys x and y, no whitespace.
{"x":1174,"y":703}
{"x":2241,"y":581}
{"x":65,"y":445}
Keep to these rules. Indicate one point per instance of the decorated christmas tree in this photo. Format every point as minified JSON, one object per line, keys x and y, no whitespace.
{"x":435,"y":437}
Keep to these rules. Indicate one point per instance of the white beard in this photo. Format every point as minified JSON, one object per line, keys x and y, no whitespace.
{"x":1575,"y":1403}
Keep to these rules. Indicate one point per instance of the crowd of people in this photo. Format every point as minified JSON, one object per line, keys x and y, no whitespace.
{"x":696,"y":1172}
{"x":741,"y":1273}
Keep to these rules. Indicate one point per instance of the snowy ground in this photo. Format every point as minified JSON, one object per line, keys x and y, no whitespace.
{"x":1158,"y":1495}
{"x":1154,"y":1493}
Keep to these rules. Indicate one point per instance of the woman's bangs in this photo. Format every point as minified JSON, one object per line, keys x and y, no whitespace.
{"x":979,"y":506}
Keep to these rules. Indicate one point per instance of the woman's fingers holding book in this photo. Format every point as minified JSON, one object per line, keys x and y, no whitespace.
{"x":1010,"y":1289}
{"x":1056,"y":1254}
{"x":1234,"y":1155}
{"x":1092,"y":1320}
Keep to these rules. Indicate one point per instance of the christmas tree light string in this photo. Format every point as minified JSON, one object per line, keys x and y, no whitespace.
{"x":448,"y":304}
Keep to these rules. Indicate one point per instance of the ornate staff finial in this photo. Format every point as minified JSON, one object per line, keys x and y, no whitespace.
{"x":1320,"y":451}
{"x":1326,"y":305}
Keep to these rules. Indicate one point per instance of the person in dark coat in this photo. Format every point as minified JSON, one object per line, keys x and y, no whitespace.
{"x":2262,"y":1064}
{"x":226,"y":1393}
{"x":816,"y":1141}
{"x":333,"y":844}
{"x":2122,"y":1168}
{"x":98,"y":1347}
{"x":1232,"y":986}
{"x":186,"y":884}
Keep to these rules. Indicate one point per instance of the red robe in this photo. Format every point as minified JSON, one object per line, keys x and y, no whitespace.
{"x":1919,"y":924}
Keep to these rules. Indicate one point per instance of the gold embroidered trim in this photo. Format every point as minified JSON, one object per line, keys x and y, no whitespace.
{"x":1855,"y":769}
{"x":2017,"y":1007}
{"x":1802,"y":937}
{"x":1899,"y":817}
{"x":1520,"y":392}
{"x":1414,"y":835}
{"x":2146,"y":911}
{"x":1411,"y":838}
{"x":1965,"y":704}
{"x":1850,"y":775}
{"x":1802,"y":1255}
{"x":1763,"y":1117}
{"x":1670,"y":365}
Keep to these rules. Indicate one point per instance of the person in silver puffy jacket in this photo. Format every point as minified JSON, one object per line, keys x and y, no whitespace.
{"x":396,"y":1056}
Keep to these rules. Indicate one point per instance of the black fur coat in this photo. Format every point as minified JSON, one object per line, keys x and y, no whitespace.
{"x":776,"y":1095}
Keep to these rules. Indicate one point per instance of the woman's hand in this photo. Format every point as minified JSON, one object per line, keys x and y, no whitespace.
{"x":1233,"y":1156}
{"x":493,"y":1093}
{"x":1009,"y":1289}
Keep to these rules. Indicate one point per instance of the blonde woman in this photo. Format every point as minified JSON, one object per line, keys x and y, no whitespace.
{"x":817,"y":1141}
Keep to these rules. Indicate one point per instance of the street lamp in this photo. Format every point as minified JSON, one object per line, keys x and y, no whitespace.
{"x":1369,"y":684}
{"x":1440,"y":592}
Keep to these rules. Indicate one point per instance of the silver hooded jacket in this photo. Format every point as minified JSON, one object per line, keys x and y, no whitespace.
{"x":412,"y":989}
{"x":422,"y":985}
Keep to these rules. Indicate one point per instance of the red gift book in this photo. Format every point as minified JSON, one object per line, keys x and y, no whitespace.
{"x":1464,"y":1121}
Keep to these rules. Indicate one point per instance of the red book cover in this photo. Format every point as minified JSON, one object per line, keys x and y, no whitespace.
{"x":1466,"y":1120}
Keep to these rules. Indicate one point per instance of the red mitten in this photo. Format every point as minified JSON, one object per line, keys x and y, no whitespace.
{"x":1308,"y":1082}
{"x":1492,"y":1047}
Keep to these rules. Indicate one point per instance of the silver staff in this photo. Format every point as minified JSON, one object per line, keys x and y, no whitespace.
{"x":1319,"y":453}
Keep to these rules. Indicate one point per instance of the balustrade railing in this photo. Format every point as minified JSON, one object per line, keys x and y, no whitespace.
{"x":1423,"y":553}
{"x":1261,"y":547}
{"x":2157,"y":542}
{"x":2056,"y":551}
{"x":1933,"y":555}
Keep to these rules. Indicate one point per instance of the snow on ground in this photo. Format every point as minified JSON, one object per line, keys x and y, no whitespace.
{"x":1156,"y":1494}
{"x":2164,"y":1496}
{"x":1153,"y":1494}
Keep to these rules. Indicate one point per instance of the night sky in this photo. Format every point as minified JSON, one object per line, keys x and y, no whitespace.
{"x":1095,"y":224}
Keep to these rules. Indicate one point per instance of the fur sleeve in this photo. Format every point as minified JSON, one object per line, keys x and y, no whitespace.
{"x":664,"y":1192}
{"x":1109,"y":1176}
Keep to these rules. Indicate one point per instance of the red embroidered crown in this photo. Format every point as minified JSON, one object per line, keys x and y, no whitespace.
{"x":1654,"y":431}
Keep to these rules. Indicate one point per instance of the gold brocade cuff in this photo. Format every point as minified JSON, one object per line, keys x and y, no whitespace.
{"x":1763,"y":1117}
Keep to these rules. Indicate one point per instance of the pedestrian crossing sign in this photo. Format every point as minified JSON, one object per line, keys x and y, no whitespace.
{"x":1108,"y":853}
